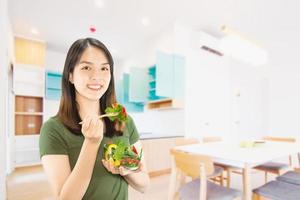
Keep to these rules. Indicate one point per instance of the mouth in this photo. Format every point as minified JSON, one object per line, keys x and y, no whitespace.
{"x":95,"y":87}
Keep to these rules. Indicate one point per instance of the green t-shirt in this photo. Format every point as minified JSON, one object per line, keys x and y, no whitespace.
{"x":55,"y":138}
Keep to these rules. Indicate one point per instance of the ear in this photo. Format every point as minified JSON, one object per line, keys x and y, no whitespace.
{"x":71,"y":78}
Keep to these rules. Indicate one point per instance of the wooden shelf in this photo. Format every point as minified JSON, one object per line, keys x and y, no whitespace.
{"x":164,"y":104}
{"x":29,"y":104}
{"x":29,"y":113}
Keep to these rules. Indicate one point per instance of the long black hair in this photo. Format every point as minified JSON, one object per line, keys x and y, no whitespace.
{"x":68,"y":110}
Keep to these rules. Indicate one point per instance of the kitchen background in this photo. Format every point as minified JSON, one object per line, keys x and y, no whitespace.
{"x":249,"y":91}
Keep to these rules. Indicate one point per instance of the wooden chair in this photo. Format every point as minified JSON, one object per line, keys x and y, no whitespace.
{"x":186,"y":141}
{"x":286,"y":186}
{"x":292,"y":177}
{"x":196,"y":166}
{"x":229,"y":169}
{"x":277,"y":190}
{"x":276,"y":167}
{"x":217,"y":176}
{"x":212,"y":139}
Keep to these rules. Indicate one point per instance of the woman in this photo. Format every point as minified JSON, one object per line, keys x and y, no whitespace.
{"x":71,"y":153}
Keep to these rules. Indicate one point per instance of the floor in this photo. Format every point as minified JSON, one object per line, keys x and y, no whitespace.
{"x":31,"y":184}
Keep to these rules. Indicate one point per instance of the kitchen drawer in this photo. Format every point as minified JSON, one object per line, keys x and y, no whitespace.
{"x":26,"y":142}
{"x":28,"y":124}
{"x":29,"y":104}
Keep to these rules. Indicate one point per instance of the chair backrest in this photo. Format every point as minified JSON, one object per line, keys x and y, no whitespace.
{"x":212,"y":139}
{"x":279,"y":139}
{"x":190,"y":164}
{"x":186,"y":141}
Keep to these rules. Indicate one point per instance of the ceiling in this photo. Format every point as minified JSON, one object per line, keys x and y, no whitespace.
{"x":118,"y":22}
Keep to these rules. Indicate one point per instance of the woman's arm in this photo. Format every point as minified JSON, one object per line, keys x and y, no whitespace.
{"x":72,"y":185}
{"x":66,"y":184}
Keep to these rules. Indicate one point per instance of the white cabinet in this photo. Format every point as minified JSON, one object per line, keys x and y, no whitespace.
{"x":27,"y":150}
{"x":28,"y":80}
{"x":207,"y":101}
{"x":28,"y":86}
{"x":157,"y":154}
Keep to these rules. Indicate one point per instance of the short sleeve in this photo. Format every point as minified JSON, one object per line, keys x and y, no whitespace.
{"x":51,"y":140}
{"x":133,"y":133}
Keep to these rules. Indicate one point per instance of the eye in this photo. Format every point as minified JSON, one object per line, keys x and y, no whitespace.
{"x":104,"y":68}
{"x":86,"y":68}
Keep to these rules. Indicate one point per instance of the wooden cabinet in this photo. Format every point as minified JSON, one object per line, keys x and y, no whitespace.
{"x":28,"y":122}
{"x":164,"y":104}
{"x":157,"y":155}
{"x":28,"y":115}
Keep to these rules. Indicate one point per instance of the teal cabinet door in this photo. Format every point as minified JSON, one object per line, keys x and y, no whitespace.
{"x":53,"y":85}
{"x":119,"y":87}
{"x":122,"y":90}
{"x":138,"y":84}
{"x":179,"y":77}
{"x":164,"y":75}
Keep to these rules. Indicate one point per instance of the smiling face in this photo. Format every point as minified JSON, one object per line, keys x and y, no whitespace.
{"x":91,"y":75}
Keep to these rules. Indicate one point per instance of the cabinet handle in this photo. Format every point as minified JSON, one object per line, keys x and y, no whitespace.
{"x":30,"y":110}
{"x":31,"y":125}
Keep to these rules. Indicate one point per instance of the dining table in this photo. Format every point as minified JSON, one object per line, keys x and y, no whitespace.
{"x":243,"y":156}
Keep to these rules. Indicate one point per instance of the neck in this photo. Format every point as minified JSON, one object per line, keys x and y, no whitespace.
{"x":87,"y":106}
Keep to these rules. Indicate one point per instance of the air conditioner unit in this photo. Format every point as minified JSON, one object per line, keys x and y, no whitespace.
{"x":206,"y":42}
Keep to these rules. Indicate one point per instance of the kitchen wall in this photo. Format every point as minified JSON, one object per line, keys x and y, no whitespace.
{"x":54,"y":61}
{"x":224,"y":97}
{"x":163,"y":122}
{"x":5,"y":58}
{"x":284,"y":88}
{"x":280,"y":33}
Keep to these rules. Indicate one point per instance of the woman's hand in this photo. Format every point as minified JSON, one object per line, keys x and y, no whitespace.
{"x":120,"y":170}
{"x":92,"y":129}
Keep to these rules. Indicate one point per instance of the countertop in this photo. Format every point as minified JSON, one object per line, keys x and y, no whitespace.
{"x":148,"y":135}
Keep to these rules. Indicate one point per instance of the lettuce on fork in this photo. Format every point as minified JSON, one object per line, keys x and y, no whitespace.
{"x":117,"y":108}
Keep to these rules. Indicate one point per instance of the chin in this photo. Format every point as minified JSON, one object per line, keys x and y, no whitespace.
{"x":93,"y":97}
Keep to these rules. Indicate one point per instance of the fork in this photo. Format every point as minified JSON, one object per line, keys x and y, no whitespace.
{"x":105,"y":115}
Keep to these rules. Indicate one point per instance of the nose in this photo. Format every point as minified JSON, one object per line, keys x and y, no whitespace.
{"x":96,"y":75}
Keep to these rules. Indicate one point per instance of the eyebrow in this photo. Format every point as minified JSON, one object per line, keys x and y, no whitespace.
{"x":90,"y":63}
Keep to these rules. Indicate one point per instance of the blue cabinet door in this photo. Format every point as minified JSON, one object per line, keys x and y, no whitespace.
{"x":164,"y":74}
{"x":53,"y":85}
{"x":138,"y":84}
{"x":122,"y":90}
{"x":179,"y":77}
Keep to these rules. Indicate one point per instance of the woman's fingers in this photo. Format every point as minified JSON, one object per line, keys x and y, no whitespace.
{"x":86,"y":123}
{"x":119,"y":170}
{"x":110,"y":167}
